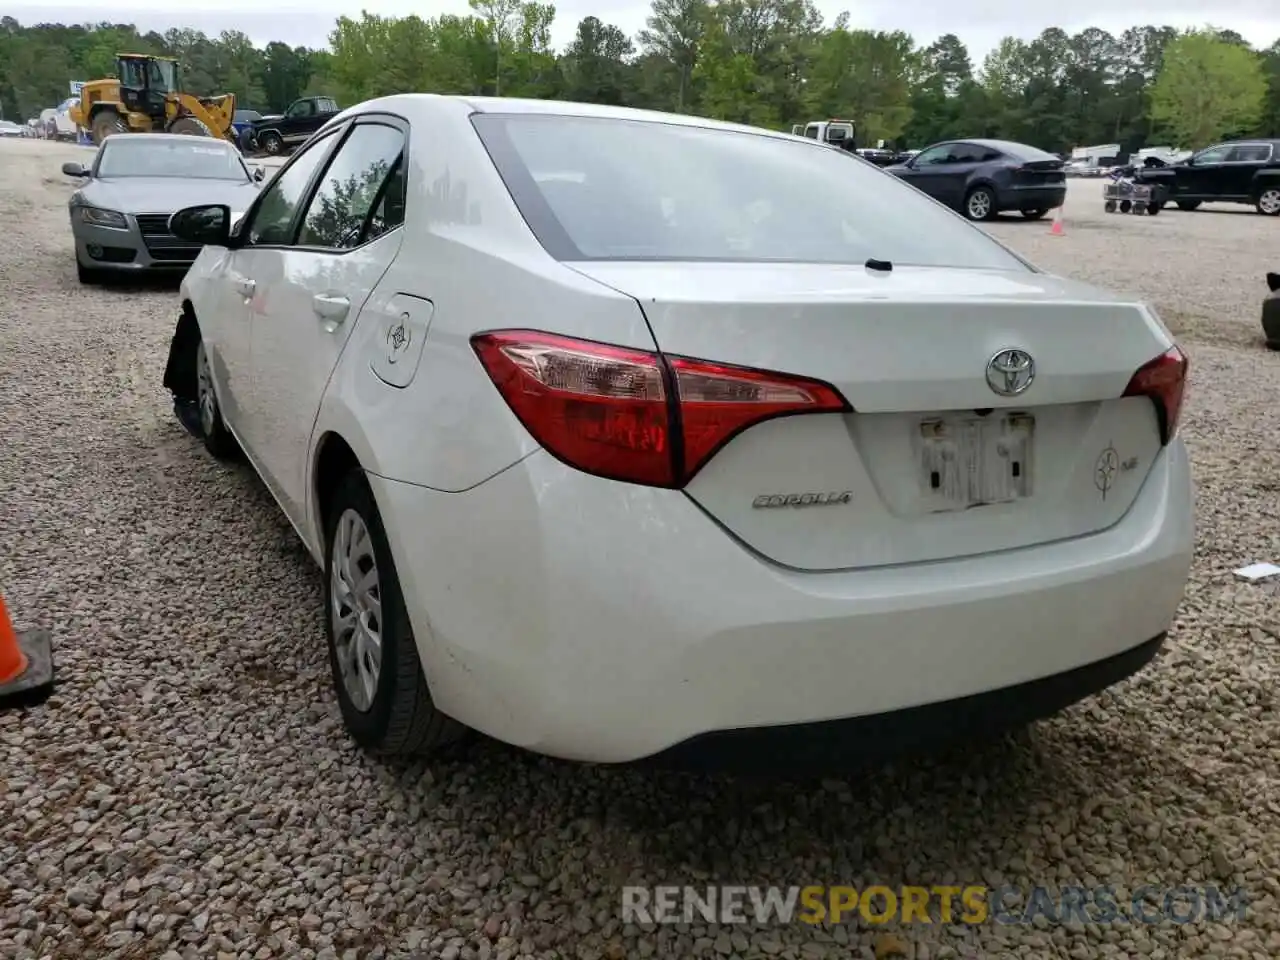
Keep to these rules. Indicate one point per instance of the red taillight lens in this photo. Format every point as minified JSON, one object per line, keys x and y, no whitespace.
{"x":1164,"y":380}
{"x":631,"y":414}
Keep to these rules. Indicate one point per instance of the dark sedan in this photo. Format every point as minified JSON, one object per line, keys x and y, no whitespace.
{"x":983,"y":178}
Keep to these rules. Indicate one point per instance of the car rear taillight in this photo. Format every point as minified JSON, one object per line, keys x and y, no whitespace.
{"x":636,"y":415}
{"x":1164,"y":380}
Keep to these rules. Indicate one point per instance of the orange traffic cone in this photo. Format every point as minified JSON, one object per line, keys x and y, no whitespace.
{"x":26,"y":664}
{"x":1056,"y":229}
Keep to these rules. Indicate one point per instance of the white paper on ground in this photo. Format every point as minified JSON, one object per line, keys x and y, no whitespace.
{"x":1257,"y":571}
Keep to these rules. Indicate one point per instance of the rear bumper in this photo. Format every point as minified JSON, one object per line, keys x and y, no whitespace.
{"x":826,"y":745}
{"x":601,"y":621}
{"x":1033,"y":198}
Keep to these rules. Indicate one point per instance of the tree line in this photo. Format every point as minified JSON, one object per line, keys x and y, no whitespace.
{"x":769,"y":63}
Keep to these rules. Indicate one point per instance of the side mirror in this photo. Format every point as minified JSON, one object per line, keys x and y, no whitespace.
{"x":209,"y":224}
{"x":74,"y":170}
{"x":259,"y":174}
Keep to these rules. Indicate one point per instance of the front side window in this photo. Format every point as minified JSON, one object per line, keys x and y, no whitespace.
{"x":273,"y":219}
{"x":609,"y":189}
{"x":934,"y":155}
{"x":1213,"y":154}
{"x":350,"y":197}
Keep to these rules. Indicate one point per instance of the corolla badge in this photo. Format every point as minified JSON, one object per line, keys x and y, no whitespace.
{"x":1010,"y":372}
{"x":770,"y":500}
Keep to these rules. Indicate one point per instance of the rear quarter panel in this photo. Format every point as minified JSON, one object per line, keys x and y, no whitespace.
{"x":469,"y":252}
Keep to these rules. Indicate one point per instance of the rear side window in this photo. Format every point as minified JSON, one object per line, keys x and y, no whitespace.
{"x":609,"y":189}
{"x":349,"y":206}
{"x":1251,"y":153}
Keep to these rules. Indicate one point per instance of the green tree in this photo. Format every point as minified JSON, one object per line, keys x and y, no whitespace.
{"x":1208,"y":88}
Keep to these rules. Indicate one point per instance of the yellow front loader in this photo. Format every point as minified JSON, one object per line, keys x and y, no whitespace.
{"x":148,"y":98}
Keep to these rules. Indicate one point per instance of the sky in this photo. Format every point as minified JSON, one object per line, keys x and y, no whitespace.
{"x":1256,"y":20}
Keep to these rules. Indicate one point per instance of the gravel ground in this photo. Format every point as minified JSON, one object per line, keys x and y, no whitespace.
{"x":189,"y":791}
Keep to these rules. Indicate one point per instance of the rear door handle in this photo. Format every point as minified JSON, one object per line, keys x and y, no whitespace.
{"x":245,"y":287}
{"x":331,"y":308}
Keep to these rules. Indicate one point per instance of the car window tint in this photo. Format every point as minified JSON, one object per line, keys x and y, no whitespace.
{"x":351,"y":188}
{"x":1251,"y":153}
{"x":389,"y":213}
{"x":1213,"y":155}
{"x":274,"y":216}
{"x":613,"y":189}
{"x":933,"y":155}
{"x":966,"y":153}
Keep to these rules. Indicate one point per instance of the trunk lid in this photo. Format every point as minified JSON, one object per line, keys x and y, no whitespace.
{"x":1034,"y":172}
{"x":934,"y":462}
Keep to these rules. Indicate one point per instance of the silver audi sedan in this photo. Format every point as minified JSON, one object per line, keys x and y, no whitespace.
{"x":120,"y":215}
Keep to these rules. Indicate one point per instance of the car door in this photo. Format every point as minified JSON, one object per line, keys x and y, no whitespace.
{"x":242,"y":281}
{"x":1204,"y":176}
{"x":313,"y":289}
{"x":1242,"y":165}
{"x":298,"y":124}
{"x":963,"y":163}
{"x":927,"y":171}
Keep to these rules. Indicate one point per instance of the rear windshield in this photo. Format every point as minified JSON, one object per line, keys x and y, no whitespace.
{"x":610,"y":189}
{"x":1025,"y":153}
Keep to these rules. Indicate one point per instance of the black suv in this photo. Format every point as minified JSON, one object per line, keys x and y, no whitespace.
{"x":276,"y":134}
{"x":1244,"y":171}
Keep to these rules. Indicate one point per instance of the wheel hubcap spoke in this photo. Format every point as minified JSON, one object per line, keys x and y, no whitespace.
{"x":356,"y":610}
{"x":204,"y":390}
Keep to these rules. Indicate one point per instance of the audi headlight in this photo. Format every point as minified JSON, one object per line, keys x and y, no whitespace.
{"x":103,"y":218}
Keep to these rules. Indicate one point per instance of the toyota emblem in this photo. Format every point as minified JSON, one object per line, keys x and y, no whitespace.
{"x":1010,"y":372}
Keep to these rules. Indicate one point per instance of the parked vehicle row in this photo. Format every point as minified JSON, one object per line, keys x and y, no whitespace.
{"x":640,"y":419}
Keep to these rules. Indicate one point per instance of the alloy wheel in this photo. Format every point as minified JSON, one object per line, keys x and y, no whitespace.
{"x":206,"y":398}
{"x":1269,"y":202}
{"x":356,"y":609}
{"x":979,"y":205}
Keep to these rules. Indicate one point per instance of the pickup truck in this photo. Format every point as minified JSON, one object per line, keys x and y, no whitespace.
{"x":276,"y":134}
{"x":1241,"y":171}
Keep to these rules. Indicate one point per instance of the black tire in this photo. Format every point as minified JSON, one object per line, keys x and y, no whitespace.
{"x":975,"y":209}
{"x":1109,"y":206}
{"x":1154,"y":208}
{"x":89,"y":275}
{"x":213,"y":429}
{"x":1034,"y":214}
{"x":190,"y":127}
{"x":1188,"y":205}
{"x":105,"y":123}
{"x":1126,"y":206}
{"x":401,"y":719}
{"x":271,"y":143}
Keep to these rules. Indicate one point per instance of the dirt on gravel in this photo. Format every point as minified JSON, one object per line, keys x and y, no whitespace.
{"x":189,"y":791}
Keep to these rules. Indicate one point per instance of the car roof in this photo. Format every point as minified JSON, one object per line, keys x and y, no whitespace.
{"x":422,"y":105}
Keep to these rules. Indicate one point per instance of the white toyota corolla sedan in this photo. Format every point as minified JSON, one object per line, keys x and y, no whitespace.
{"x":623,"y":435}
